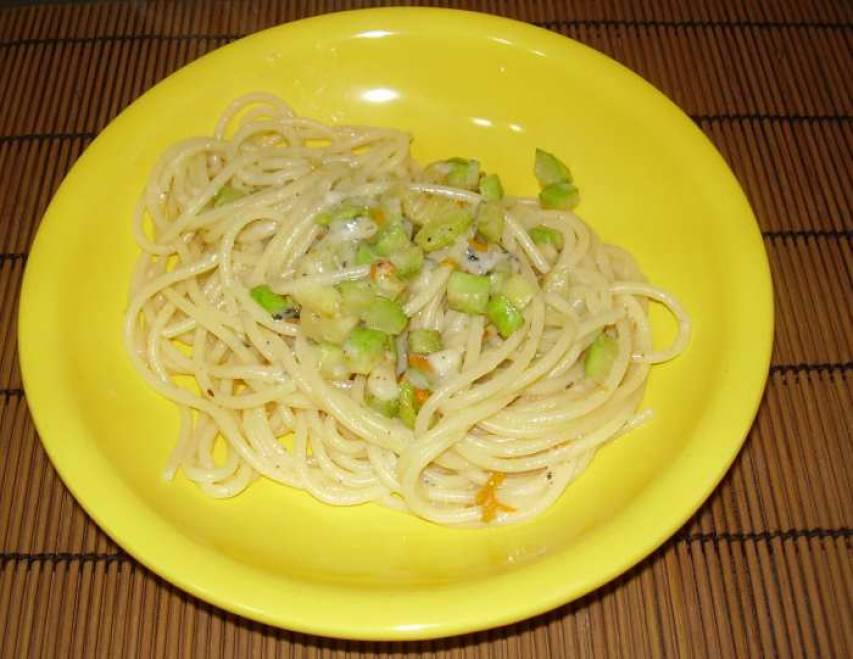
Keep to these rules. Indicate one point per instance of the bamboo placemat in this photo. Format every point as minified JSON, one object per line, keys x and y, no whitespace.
{"x":764,"y":569}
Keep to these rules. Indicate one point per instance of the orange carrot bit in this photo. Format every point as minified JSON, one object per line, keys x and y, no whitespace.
{"x":478,"y":245}
{"x":420,"y":362}
{"x":487,"y":498}
{"x":421,"y":395}
{"x":377,"y":215}
{"x":450,"y":262}
{"x":382,"y":269}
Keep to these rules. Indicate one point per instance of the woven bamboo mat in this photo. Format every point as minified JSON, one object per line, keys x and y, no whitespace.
{"x":764,"y":569}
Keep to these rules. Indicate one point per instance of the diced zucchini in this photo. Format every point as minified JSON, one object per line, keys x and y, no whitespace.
{"x":519,"y":290}
{"x":332,"y":363}
{"x":463,"y":173}
{"x":288,"y":310}
{"x":279,"y":306}
{"x":560,"y":196}
{"x":549,"y":169}
{"x":322,"y":328}
{"x":468,"y":293}
{"x":343,"y":211}
{"x":443,"y":232}
{"x":497,"y":280}
{"x":324,"y":219}
{"x":385,"y":407}
{"x":226,"y":195}
{"x":423,"y":208}
{"x":364,"y":348}
{"x":456,"y":172}
{"x":391,"y":239}
{"x":390,"y":287}
{"x":385,"y":315}
{"x":406,"y":409}
{"x":408,"y":261}
{"x":491,"y":188}
{"x":490,"y":221}
{"x":386,"y":282}
{"x":392,"y":350}
{"x":504,"y":315}
{"x":356,"y":296}
{"x":424,"y":341}
{"x":600,"y":357}
{"x":382,"y":391}
{"x":365,"y":254}
{"x":325,"y":300}
{"x":542,"y":235}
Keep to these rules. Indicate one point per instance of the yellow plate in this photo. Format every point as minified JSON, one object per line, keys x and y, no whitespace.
{"x":462,"y":84}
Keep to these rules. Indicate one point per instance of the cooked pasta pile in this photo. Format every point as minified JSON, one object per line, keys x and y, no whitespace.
{"x":330,"y":315}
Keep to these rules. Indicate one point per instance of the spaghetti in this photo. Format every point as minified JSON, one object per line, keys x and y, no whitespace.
{"x":330,"y":315}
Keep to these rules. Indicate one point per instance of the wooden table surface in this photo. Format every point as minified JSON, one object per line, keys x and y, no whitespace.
{"x":763,"y":570}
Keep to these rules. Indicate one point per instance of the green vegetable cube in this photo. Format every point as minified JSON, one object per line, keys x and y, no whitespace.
{"x":332,"y":363}
{"x":279,"y":306}
{"x":365,"y":254}
{"x":490,"y":221}
{"x":356,"y":295}
{"x":385,"y":315}
{"x":456,"y":172}
{"x":387,"y":407}
{"x":542,"y":235}
{"x":519,"y":290}
{"x":491,"y":188}
{"x":468,"y":293}
{"x":504,"y":315}
{"x":406,"y":409}
{"x":497,"y":280}
{"x":408,"y":260}
{"x":391,"y":239}
{"x":325,"y":300}
{"x":425,"y":341}
{"x":463,"y":173}
{"x":422,"y":208}
{"x":549,"y":169}
{"x":322,"y":328}
{"x":443,"y":232}
{"x":385,"y":279}
{"x":600,"y":357}
{"x":559,"y":196}
{"x":344,"y":211}
{"x":364,"y":348}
